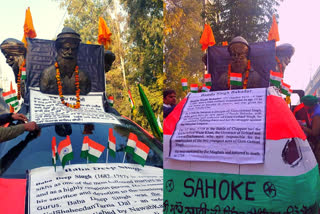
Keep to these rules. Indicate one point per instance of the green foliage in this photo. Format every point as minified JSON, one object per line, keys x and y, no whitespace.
{"x":250,"y":19}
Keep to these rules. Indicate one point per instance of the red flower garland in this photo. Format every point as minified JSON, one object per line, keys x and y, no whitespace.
{"x":77,"y":84}
{"x":19,"y":79}
{"x":245,"y":82}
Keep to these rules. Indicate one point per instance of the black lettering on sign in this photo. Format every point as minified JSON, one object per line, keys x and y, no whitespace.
{"x":213,"y":187}
{"x":234,"y":189}
{"x":186,"y":186}
{"x":220,"y":190}
{"x":249,"y":190}
{"x":199,"y":187}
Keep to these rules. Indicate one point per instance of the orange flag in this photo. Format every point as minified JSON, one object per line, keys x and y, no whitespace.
{"x":224,"y":43}
{"x":207,"y":38}
{"x":274,"y":33}
{"x":28,"y":29}
{"x":104,"y":36}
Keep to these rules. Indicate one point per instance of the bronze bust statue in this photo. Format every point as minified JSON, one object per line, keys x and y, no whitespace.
{"x":239,"y":51}
{"x":284,"y":52}
{"x":15,"y":54}
{"x":67,"y":44}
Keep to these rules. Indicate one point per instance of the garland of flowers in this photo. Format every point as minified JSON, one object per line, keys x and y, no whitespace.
{"x":245,"y":82}
{"x":279,"y":65}
{"x":77,"y":84}
{"x":19,"y":79}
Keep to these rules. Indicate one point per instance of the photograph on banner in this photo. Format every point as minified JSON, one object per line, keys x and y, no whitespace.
{"x":240,"y":153}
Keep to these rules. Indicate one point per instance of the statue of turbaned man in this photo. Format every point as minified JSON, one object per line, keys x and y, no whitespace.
{"x":65,"y":77}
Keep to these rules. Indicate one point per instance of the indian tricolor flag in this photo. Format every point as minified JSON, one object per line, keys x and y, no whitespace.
{"x":141,"y":153}
{"x":236,"y":79}
{"x":207,"y":79}
{"x":95,"y":150}
{"x":276,"y":78}
{"x":131,"y":100}
{"x":205,"y":88}
{"x":54,"y":152}
{"x":23,"y":73}
{"x":84,"y":148}
{"x":110,"y":100}
{"x":184,"y":83}
{"x":11,"y":99}
{"x":285,"y":89}
{"x":65,"y":151}
{"x":131,"y":144}
{"x":112,"y":143}
{"x":194,"y":88}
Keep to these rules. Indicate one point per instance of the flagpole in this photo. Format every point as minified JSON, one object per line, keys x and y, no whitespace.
{"x":107,"y":155}
{"x":124,"y":157}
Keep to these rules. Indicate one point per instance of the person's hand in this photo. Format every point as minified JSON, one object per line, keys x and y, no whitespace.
{"x":20,"y":117}
{"x":31,"y":126}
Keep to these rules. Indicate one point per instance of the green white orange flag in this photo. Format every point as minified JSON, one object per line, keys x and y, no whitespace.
{"x":112,"y":143}
{"x":276,"y":78}
{"x":11,"y":99}
{"x":65,"y":151}
{"x":131,"y":144}
{"x":184,"y":83}
{"x":54,"y":152}
{"x":110,"y":100}
{"x":95,"y":150}
{"x":131,"y":100}
{"x":285,"y":89}
{"x":194,"y":88}
{"x":141,"y":153}
{"x":23,"y":73}
{"x":205,"y":88}
{"x":207,"y":79}
{"x":236,"y":79}
{"x":85,"y":148}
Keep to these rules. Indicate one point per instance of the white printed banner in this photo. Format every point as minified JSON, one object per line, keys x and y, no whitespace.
{"x":225,"y":126}
{"x":47,"y":108}
{"x":96,"y":188}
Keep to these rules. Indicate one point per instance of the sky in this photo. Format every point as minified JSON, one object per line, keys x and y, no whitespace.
{"x":297,"y":25}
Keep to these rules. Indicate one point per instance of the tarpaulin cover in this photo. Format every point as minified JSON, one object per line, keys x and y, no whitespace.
{"x":262,"y":56}
{"x":12,"y":195}
{"x":42,"y":54}
{"x":276,"y":127}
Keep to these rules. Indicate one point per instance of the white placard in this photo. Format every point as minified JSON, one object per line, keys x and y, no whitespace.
{"x":96,"y":188}
{"x":226,"y":126}
{"x":47,"y":108}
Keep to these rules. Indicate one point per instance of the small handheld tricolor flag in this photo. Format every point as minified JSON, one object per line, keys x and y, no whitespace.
{"x":276,"y":78}
{"x":141,"y":153}
{"x":23,"y":73}
{"x":131,"y":144}
{"x":131,"y":100}
{"x":194,"y":88}
{"x":11,"y":99}
{"x":65,"y":151}
{"x":285,"y":89}
{"x":236,"y":79}
{"x":85,"y":148}
{"x":95,"y":150}
{"x":110,"y":100}
{"x":207,"y":79}
{"x":54,"y":152}
{"x":111,"y":143}
{"x":205,"y":88}
{"x":184,"y":84}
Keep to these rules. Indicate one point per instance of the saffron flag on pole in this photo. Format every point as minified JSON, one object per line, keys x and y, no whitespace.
{"x":285,"y":89}
{"x":54,"y":152}
{"x":131,"y":100}
{"x":194,"y":88}
{"x":65,"y":151}
{"x":11,"y":99}
{"x":28,"y":28}
{"x":207,"y":37}
{"x":184,"y":84}
{"x":95,"y":150}
{"x":276,"y":78}
{"x":110,"y":100}
{"x":84,"y":148}
{"x":141,"y":153}
{"x":236,"y":79}
{"x":112,"y":143}
{"x":273,"y":32}
{"x":104,"y":34}
{"x":131,"y":144}
{"x":207,"y":79}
